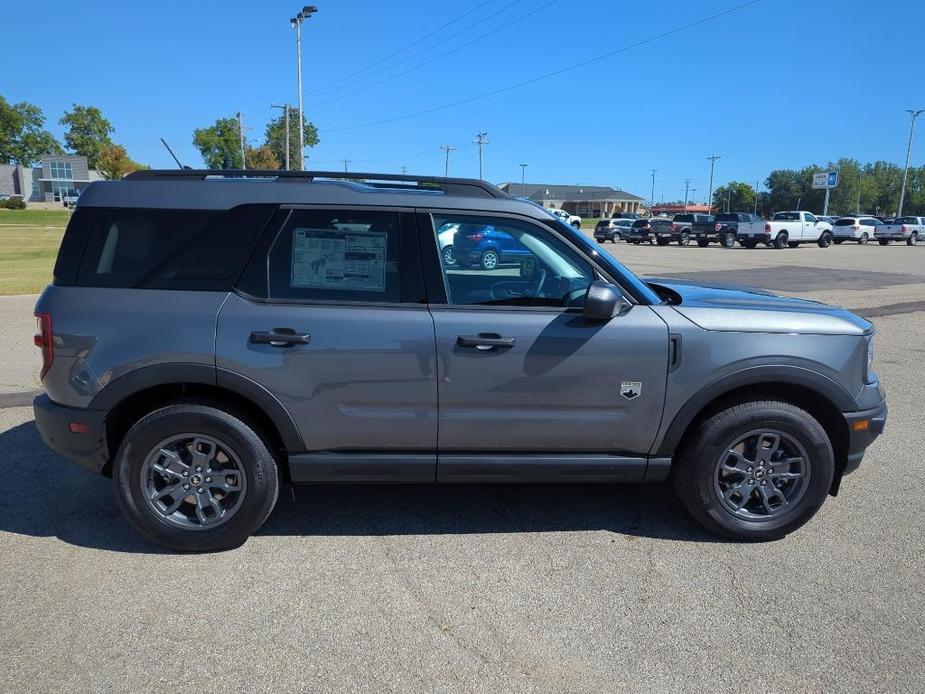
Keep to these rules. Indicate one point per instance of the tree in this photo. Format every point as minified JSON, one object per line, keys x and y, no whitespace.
{"x":734,"y":197}
{"x":23,"y":140}
{"x":261,"y":157}
{"x":87,"y":132}
{"x":220,"y":144}
{"x":114,"y":163}
{"x":276,"y":137}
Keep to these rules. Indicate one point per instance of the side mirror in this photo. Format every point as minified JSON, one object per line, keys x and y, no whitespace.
{"x":603,"y":301}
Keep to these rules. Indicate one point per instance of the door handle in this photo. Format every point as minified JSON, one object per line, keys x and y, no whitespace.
{"x":280,"y":337}
{"x":485,"y":341}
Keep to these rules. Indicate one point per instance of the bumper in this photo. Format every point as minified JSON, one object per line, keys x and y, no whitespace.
{"x":891,"y":237}
{"x":763,"y":237}
{"x":87,"y":448}
{"x":864,"y":427}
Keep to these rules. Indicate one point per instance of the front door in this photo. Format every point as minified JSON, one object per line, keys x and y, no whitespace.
{"x":521,"y":371}
{"x":329,"y":317}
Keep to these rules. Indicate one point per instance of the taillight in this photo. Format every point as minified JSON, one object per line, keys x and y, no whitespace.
{"x":474,"y":237}
{"x":856,"y":228}
{"x":903,"y":229}
{"x":43,"y":340}
{"x":767,"y":228}
{"x":717,"y":226}
{"x":674,"y":227}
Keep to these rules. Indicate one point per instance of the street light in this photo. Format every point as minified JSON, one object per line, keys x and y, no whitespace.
{"x":523,"y":178}
{"x":902,"y":190}
{"x":296,"y":22}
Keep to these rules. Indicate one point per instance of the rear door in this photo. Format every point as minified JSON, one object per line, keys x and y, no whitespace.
{"x":329,"y":317}
{"x":519,"y":370}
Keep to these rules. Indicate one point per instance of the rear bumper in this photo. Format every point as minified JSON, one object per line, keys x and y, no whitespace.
{"x":87,"y":449}
{"x":762,"y":237}
{"x":863,"y":429}
{"x":891,"y":237}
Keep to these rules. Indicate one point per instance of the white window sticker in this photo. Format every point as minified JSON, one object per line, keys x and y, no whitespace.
{"x":339,"y":259}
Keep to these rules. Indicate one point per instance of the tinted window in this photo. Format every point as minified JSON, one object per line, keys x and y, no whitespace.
{"x":844,"y":222}
{"x":786,"y":216}
{"x":728,"y":217}
{"x":683,"y":217}
{"x":906,"y":220}
{"x":870,"y":222}
{"x":640,"y":223}
{"x":505,"y":262}
{"x":329,"y":255}
{"x":170,"y":249}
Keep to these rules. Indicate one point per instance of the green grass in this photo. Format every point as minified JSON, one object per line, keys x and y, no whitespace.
{"x":29,"y":241}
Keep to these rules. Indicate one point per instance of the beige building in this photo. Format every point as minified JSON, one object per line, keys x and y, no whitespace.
{"x":585,"y":201}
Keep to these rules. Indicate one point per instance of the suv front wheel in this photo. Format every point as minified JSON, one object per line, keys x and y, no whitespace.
{"x":194,"y":477}
{"x":755,"y":471}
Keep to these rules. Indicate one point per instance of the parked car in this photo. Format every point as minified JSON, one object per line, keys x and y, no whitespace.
{"x":860,"y":229}
{"x":725,"y":228}
{"x":908,"y":229}
{"x":791,"y":228}
{"x":328,"y":343}
{"x":477,"y":245}
{"x":445,"y":237}
{"x":682,"y":225}
{"x":567,"y":217}
{"x":626,"y":215}
{"x":612,"y":229}
{"x":645,"y":230}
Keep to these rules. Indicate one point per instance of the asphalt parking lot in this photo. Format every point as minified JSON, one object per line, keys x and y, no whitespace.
{"x":488,"y":589}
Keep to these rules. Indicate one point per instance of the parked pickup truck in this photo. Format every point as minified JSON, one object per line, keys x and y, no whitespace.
{"x":681,"y":227}
{"x":790,"y":228}
{"x":908,"y":229}
{"x":726,"y":227}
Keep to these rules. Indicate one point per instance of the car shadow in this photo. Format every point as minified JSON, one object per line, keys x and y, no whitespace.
{"x":46,"y":496}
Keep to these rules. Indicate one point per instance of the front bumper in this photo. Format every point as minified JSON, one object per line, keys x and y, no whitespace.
{"x":87,"y":448}
{"x":864,"y":427}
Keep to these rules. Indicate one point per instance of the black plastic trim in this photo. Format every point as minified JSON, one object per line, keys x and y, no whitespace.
{"x":329,"y":467}
{"x":528,"y":467}
{"x":88,"y":450}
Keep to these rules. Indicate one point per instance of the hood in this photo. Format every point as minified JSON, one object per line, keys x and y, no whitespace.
{"x":745,"y":309}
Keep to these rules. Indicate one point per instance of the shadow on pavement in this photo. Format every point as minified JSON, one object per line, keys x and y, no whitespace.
{"x":46,"y":496}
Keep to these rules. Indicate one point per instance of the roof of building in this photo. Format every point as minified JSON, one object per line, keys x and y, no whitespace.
{"x":555,"y":191}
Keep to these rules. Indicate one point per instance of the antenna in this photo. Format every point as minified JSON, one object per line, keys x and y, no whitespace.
{"x":173,"y":155}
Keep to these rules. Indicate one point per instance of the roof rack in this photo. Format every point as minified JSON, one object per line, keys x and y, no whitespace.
{"x":466,"y":187}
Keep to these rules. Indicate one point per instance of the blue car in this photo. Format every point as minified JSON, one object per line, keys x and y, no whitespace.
{"x":481,"y":246}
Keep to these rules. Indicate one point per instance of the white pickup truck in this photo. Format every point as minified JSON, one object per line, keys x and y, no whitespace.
{"x":568,"y":218}
{"x":793,"y":228}
{"x":908,"y":229}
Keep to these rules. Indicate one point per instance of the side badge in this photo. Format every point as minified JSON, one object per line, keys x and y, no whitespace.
{"x":631,"y":389}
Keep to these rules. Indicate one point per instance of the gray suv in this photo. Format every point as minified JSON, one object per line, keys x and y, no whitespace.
{"x":210,"y":335}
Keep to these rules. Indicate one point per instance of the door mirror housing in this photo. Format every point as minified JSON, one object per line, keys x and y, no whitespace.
{"x":603,"y":301}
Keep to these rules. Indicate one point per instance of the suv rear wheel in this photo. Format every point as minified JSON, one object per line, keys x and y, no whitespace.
{"x":490,"y":260}
{"x":755,"y":471}
{"x":194,"y":477}
{"x":615,"y":238}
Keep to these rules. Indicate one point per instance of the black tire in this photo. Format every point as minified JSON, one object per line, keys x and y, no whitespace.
{"x":913,"y":239}
{"x":883,"y":242}
{"x":727,"y":240}
{"x":635,"y":242}
{"x":261,"y":478}
{"x":780,"y":241}
{"x":662,"y":242}
{"x":749,"y":243}
{"x":616,"y":237}
{"x":600,"y":240}
{"x":684,"y":238}
{"x":490,"y":260}
{"x":576,"y":225}
{"x":838,"y":242}
{"x":697,"y":465}
{"x":449,"y":255}
{"x":825,"y":240}
{"x":703,"y":243}
{"x":793,"y":244}
{"x":865,"y":237}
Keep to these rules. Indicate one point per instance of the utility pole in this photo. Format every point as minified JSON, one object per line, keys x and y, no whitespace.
{"x":712,"y":159}
{"x":756,"y":196}
{"x":857,"y":209}
{"x":728,"y":197}
{"x":404,"y":170}
{"x":687,"y":190}
{"x":523,"y":178}
{"x":481,"y":139}
{"x":285,"y":108}
{"x":241,"y":134}
{"x":652,"y":196}
{"x":447,"y":149}
{"x":296,"y":22}
{"x":902,"y":190}
{"x":346,"y":161}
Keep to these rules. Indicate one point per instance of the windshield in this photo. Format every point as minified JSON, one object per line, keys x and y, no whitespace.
{"x":596,"y":251}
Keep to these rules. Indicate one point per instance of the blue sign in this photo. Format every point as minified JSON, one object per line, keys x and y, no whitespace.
{"x":833,"y":179}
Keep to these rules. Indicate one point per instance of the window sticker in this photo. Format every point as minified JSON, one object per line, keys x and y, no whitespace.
{"x":339,"y":259}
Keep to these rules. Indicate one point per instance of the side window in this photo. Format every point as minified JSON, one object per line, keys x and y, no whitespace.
{"x":505,"y":262}
{"x":811,"y":218}
{"x":329,"y":255}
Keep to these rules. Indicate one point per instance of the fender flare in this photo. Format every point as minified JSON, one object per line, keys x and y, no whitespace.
{"x":820,"y":385}
{"x":166,"y":374}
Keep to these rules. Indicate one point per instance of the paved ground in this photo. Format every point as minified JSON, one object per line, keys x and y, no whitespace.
{"x":585,"y":588}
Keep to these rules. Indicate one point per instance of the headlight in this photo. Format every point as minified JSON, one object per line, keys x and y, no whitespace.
{"x":870,"y":359}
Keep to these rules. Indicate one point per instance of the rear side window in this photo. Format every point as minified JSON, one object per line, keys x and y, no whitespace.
{"x":684,"y":218}
{"x":170,"y":249}
{"x":330,"y":256}
{"x":844,"y":222}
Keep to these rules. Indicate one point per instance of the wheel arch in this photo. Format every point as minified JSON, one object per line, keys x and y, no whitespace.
{"x":138,"y":392}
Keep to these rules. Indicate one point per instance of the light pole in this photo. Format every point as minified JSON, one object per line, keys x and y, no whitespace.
{"x":902,"y":190}
{"x":712,"y":159}
{"x":523,"y":179}
{"x":296,"y":22}
{"x":652,"y":196}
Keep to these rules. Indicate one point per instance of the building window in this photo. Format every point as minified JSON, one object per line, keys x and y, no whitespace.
{"x":61,"y":169}
{"x":62,"y":190}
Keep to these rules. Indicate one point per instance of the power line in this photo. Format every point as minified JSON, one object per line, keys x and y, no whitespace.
{"x":424,"y":50}
{"x":403,"y":48}
{"x":432,"y":60}
{"x":554,"y":73}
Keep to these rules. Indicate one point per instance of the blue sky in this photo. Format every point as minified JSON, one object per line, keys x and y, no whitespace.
{"x":777,"y":84}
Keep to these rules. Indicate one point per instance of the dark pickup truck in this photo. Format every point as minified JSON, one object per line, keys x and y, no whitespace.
{"x":724,"y":228}
{"x":682,"y":226}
